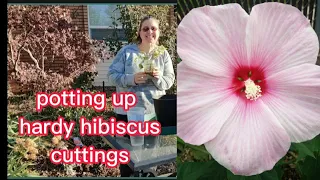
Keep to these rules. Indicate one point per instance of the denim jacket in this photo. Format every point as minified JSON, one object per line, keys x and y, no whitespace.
{"x":127,"y":62}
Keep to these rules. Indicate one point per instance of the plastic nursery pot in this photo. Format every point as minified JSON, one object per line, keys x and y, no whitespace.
{"x":166,"y":109}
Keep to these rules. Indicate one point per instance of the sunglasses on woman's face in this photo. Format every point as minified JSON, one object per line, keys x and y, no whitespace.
{"x":146,"y":29}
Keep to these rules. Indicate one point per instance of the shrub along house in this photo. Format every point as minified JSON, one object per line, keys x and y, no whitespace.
{"x":97,"y":20}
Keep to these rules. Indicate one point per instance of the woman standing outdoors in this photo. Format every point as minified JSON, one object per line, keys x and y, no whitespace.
{"x":144,"y":68}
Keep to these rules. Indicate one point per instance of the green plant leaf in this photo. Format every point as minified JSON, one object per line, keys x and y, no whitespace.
{"x":307,"y":148}
{"x":267,"y":175}
{"x":201,"y":171}
{"x":302,"y":150}
{"x":279,"y":170}
{"x":309,"y":168}
{"x":195,"y":148}
{"x":179,"y":140}
{"x":178,"y":159}
{"x":201,"y":155}
{"x":180,"y":147}
{"x":281,"y":162}
{"x":20,"y":169}
{"x":313,"y":144}
{"x":198,"y":152}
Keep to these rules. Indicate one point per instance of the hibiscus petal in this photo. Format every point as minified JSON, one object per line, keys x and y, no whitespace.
{"x":201,"y":107}
{"x":280,"y":37}
{"x":295,"y":100}
{"x":212,"y":38}
{"x":251,"y":140}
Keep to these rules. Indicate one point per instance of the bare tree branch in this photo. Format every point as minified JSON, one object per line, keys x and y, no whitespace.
{"x":32,"y":57}
{"x":45,"y":33}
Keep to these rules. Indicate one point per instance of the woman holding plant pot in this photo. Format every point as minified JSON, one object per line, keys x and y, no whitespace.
{"x":144,"y":68}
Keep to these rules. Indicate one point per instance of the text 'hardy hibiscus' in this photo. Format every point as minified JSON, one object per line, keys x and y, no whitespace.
{"x":247,"y":85}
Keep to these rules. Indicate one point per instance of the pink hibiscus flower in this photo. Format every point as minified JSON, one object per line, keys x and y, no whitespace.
{"x":247,"y":85}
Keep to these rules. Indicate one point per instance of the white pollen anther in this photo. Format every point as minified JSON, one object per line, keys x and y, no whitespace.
{"x":253,"y":91}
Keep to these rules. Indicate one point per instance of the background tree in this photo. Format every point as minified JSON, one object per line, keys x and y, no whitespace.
{"x":45,"y":33}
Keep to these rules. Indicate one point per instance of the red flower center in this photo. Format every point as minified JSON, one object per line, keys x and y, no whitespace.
{"x":249,"y":82}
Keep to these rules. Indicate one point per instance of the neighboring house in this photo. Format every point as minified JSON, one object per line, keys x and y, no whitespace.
{"x":99,"y":27}
{"x":96,"y":20}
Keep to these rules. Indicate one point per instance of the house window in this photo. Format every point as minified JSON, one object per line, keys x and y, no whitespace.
{"x":100,"y":22}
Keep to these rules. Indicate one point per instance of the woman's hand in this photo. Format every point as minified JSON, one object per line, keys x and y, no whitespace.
{"x":140,"y":78}
{"x":155,"y":73}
